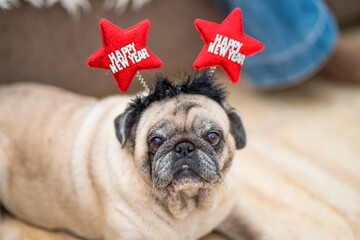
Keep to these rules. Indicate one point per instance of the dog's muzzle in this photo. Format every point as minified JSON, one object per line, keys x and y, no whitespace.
{"x":185,"y":161}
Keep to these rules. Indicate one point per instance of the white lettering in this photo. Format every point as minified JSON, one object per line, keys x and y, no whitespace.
{"x":146,"y":54}
{"x":227,"y":47}
{"x":132,"y":57}
{"x":113,"y":68}
{"x":120,"y":58}
{"x":212,"y":44}
{"x":224,"y":47}
{"x":113,"y":60}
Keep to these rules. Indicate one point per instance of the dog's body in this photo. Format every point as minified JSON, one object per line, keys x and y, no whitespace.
{"x":62,"y":167}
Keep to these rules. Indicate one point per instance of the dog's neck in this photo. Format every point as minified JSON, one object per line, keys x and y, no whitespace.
{"x":180,"y":204}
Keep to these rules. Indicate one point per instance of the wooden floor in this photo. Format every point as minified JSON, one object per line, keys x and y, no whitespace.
{"x":301,"y":167}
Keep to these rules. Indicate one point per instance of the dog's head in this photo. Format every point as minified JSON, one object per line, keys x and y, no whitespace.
{"x":183,"y":137}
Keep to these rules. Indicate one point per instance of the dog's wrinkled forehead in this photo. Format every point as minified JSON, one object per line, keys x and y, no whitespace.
{"x":196,"y":84}
{"x":185,"y":113}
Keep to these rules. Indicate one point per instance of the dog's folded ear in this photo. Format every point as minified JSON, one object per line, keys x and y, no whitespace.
{"x":125,"y":125}
{"x":236,"y":126}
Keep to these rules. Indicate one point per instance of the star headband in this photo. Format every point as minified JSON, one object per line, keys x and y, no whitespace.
{"x":124,"y":52}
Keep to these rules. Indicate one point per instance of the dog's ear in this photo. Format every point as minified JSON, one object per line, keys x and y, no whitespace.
{"x":236,"y":126}
{"x":125,"y":125}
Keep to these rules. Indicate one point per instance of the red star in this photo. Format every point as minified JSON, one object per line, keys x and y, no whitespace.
{"x":226,"y":45}
{"x":124,"y":52}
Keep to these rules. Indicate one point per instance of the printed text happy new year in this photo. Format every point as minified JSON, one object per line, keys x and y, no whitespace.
{"x":224,"y":46}
{"x":120,"y":58}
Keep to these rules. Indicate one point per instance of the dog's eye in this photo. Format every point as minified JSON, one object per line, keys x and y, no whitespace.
{"x":156,"y":142}
{"x":213,"y":138}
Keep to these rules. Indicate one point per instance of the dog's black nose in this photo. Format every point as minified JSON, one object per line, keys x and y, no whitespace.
{"x":184,"y":149}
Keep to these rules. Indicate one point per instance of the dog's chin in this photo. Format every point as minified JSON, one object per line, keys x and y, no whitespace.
{"x":189,"y":182}
{"x":186,"y":179}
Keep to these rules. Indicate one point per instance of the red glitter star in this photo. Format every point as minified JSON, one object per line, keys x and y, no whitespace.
{"x":226,"y":45}
{"x":124,"y":52}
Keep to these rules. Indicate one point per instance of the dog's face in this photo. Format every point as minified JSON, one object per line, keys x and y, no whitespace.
{"x":183,"y":143}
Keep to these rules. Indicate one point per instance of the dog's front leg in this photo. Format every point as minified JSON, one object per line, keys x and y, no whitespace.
{"x":239,"y":226}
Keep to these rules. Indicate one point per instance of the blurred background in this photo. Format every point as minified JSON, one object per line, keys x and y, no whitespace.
{"x":299,"y":99}
{"x":49,"y":45}
{"x":50,"y":41}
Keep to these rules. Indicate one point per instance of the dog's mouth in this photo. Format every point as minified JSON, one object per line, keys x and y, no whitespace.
{"x":185,"y":173}
{"x":186,"y":177}
{"x":185,"y":166}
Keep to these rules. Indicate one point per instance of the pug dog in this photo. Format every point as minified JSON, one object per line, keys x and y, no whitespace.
{"x":162,"y":169}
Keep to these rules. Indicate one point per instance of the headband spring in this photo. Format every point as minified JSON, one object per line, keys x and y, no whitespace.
{"x":142,"y":81}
